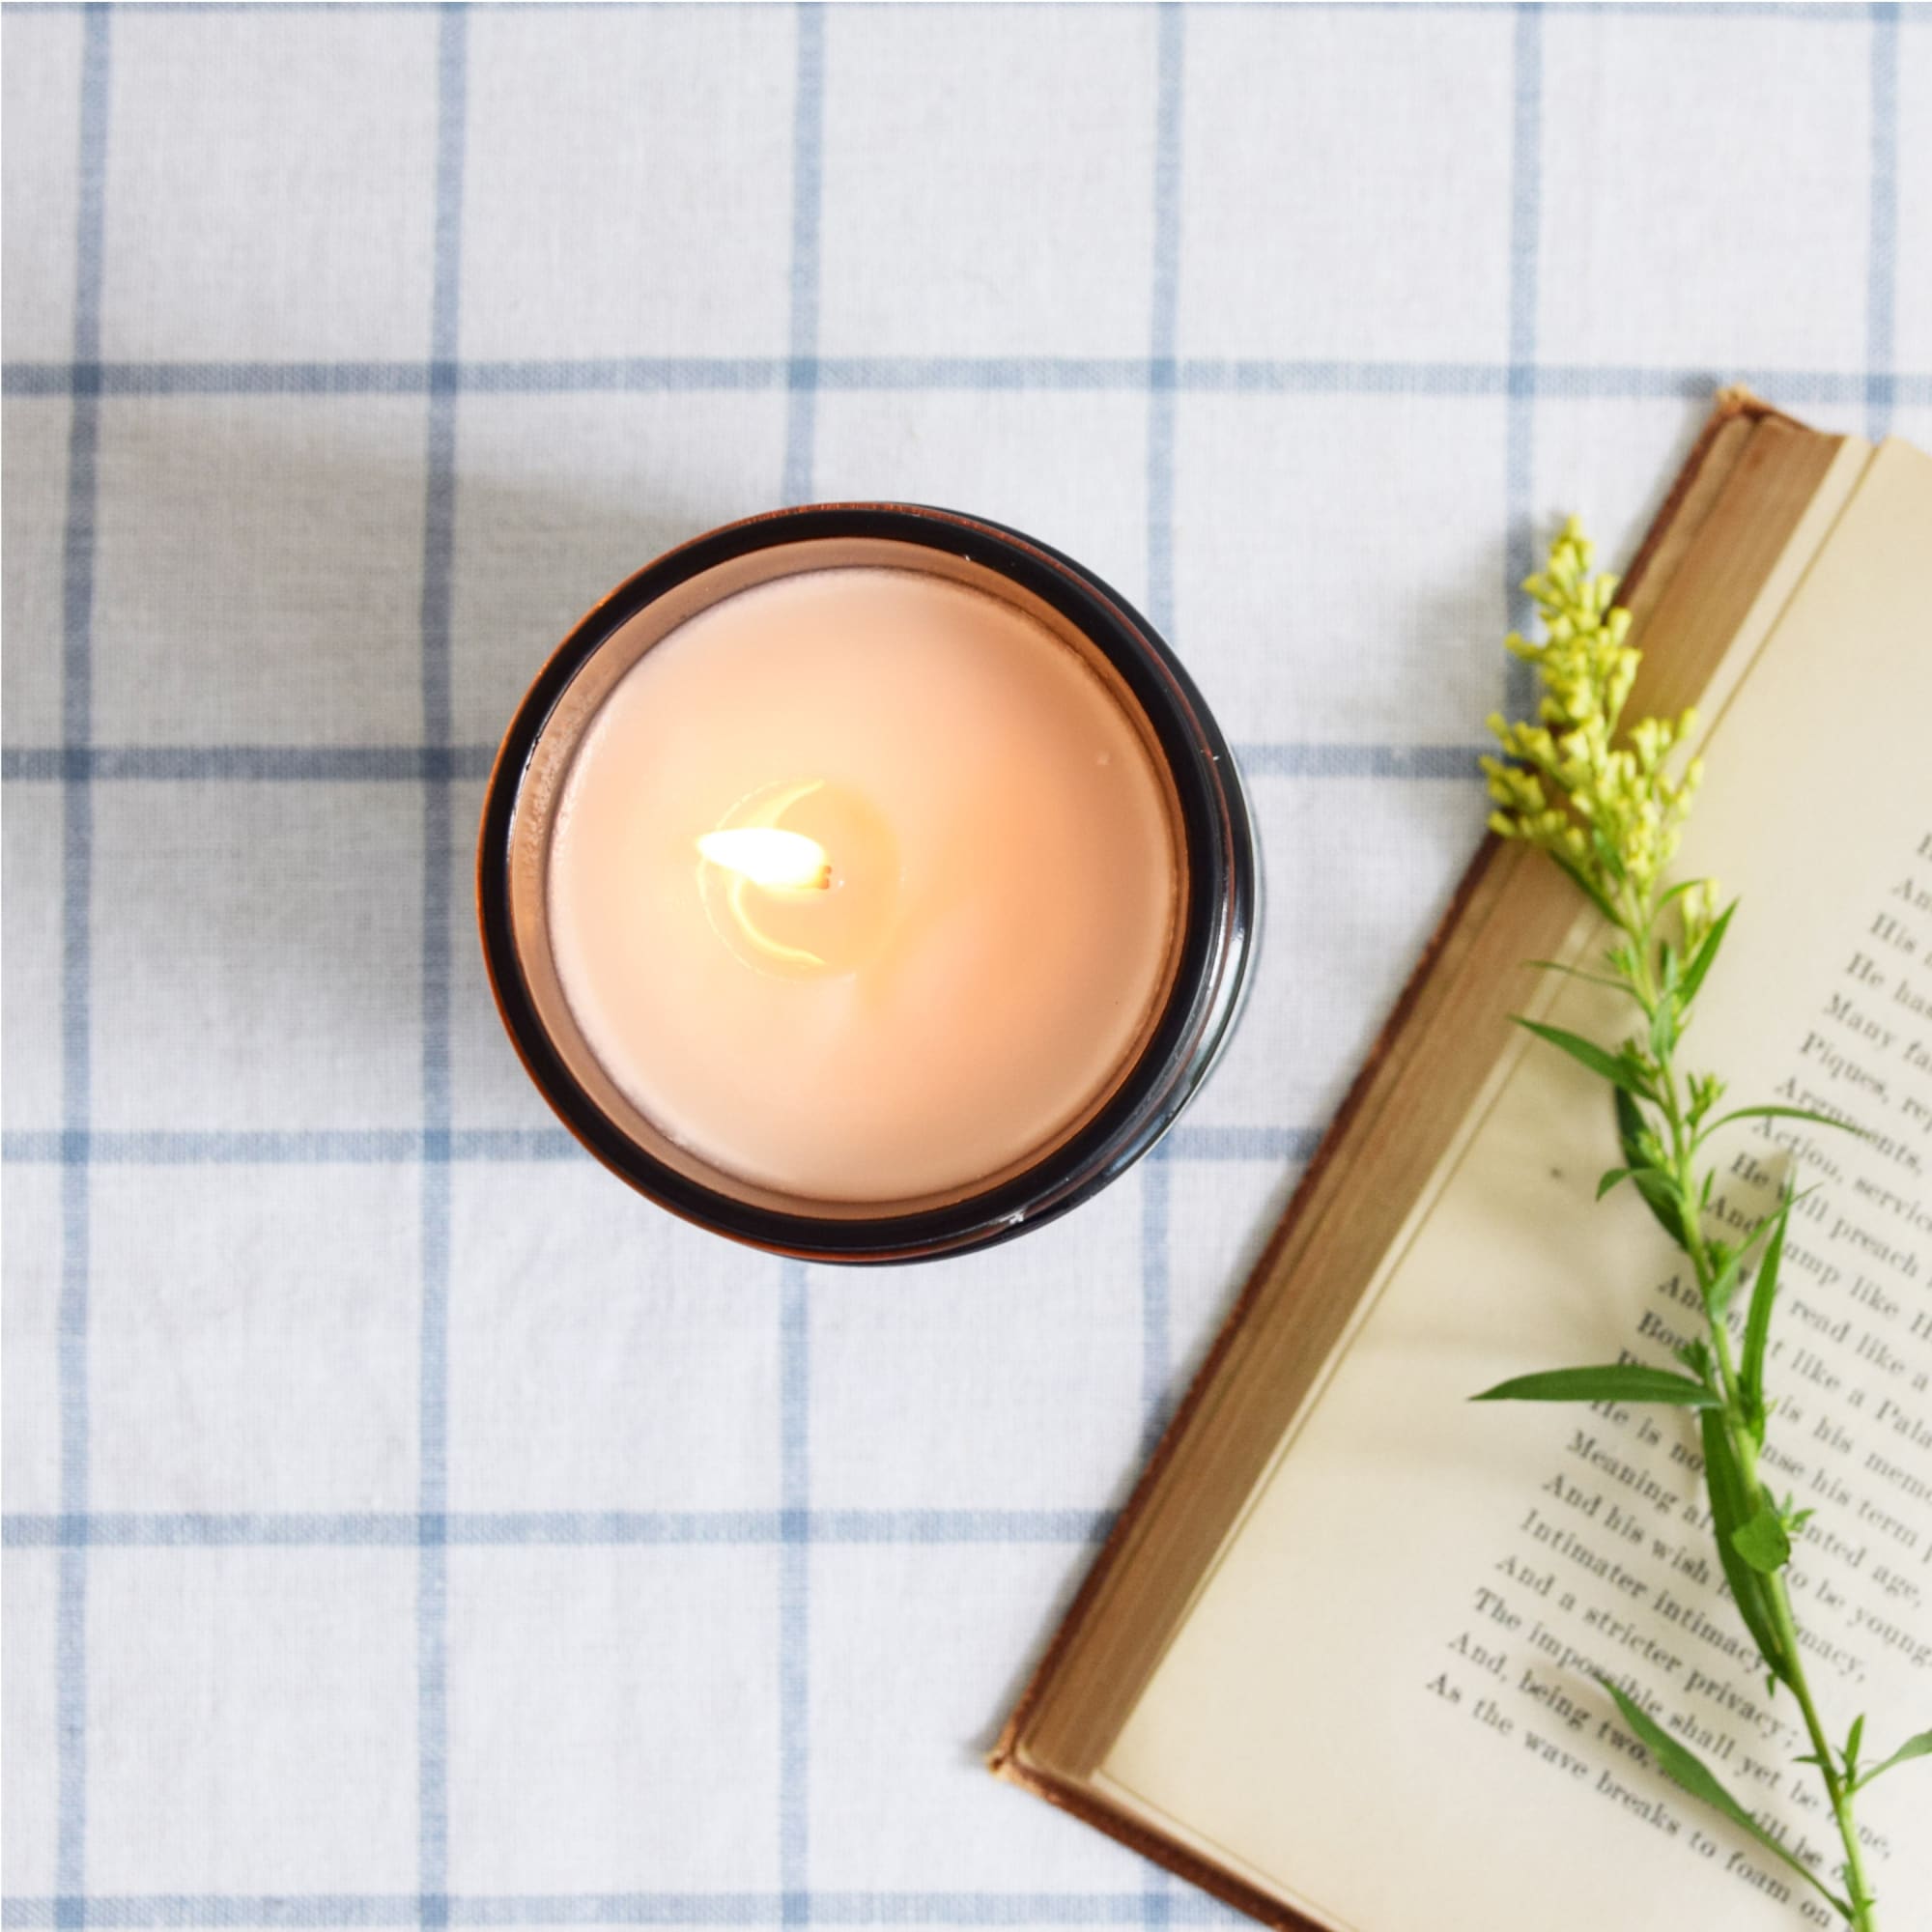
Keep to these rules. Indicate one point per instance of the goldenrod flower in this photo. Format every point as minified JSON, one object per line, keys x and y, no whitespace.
{"x":1603,"y":800}
{"x":1607,"y":803}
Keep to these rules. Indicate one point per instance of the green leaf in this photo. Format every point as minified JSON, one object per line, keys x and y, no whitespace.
{"x":1611,"y":1179}
{"x":1725,"y":1483}
{"x":1854,"y":1739}
{"x":1631,"y":1133}
{"x":1707,"y":953}
{"x":1688,"y":1771}
{"x":1706,"y":1091}
{"x":1725,"y":1282}
{"x":1666,"y":1203}
{"x":1578,"y":973}
{"x":1613,"y":1381}
{"x":1783,"y":1113}
{"x":1918,"y":1746}
{"x":1651,"y":1181}
{"x":1662,"y":1035}
{"x":1631,"y":1128}
{"x":1588,"y":889}
{"x":1764,"y":1542}
{"x":1586,"y":1052}
{"x":1609,"y":855}
{"x":1757,"y":1321}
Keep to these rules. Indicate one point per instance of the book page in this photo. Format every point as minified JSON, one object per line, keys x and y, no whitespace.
{"x":1382,"y":1706}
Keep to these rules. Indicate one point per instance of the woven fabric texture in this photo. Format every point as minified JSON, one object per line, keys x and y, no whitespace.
{"x":405,"y":1524}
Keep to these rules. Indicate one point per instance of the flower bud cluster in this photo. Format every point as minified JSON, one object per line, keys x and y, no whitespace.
{"x":1603,"y":801}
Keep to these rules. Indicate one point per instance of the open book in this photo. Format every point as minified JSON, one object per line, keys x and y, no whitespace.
{"x":1337,"y":1663}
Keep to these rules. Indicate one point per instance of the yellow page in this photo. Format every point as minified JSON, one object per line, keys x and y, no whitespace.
{"x":1380,"y":1706}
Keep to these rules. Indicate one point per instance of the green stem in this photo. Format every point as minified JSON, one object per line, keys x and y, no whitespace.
{"x":1639,"y":924}
{"x":1837,"y":1787}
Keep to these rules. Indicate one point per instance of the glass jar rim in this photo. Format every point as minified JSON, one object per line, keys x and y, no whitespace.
{"x":1218,"y":920}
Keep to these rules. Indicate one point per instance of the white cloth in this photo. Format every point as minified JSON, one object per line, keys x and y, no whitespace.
{"x":404,"y":1523}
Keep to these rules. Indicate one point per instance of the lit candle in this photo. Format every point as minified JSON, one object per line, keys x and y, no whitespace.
{"x":864,"y":886}
{"x":850,"y":882}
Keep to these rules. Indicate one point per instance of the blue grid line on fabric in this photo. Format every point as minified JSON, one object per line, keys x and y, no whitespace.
{"x":1165,"y":310}
{"x":165,"y":1911}
{"x":380,"y":1147}
{"x":246,"y":764}
{"x":412,"y":764}
{"x":703,"y":1908}
{"x":1792,"y":9}
{"x":1777,"y":9}
{"x":1567,"y":381}
{"x":807,"y":159}
{"x":438,"y":567}
{"x":1170,"y":80}
{"x":1289,"y":759}
{"x":1156,"y":1315}
{"x":76,"y":967}
{"x":794,"y":1420}
{"x":561,"y":1529}
{"x":1163,"y":404}
{"x":299,"y":1147}
{"x":1520,"y":431}
{"x":1239,"y":1143}
{"x":1882,"y":289}
{"x":795,"y":1527}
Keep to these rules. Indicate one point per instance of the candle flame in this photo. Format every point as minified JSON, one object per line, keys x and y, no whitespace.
{"x":768,"y":856}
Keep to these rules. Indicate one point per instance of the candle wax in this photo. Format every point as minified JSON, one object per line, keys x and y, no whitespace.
{"x":984,"y":946}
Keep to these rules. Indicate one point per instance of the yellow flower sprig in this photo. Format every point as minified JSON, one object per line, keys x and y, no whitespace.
{"x":1603,"y":802}
{"x":1607,"y":802}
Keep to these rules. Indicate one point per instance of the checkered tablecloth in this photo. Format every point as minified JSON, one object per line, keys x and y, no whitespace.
{"x":404,"y":1522}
